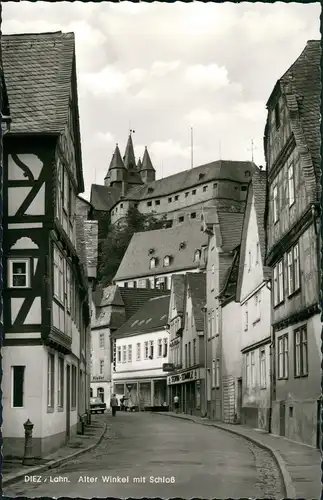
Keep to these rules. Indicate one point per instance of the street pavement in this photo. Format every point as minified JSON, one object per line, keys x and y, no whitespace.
{"x":150,"y":455}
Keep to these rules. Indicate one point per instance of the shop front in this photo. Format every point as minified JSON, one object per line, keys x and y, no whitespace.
{"x":145,"y":394}
{"x":189,"y":386}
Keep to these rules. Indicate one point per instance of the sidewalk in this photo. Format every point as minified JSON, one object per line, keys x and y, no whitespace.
{"x":13,"y":470}
{"x":300,"y":465}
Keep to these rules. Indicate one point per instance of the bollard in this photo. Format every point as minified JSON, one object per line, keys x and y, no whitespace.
{"x":28,"y":457}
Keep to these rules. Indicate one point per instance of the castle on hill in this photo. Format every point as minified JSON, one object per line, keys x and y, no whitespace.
{"x":181,"y":196}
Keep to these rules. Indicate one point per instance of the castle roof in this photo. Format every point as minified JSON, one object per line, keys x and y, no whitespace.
{"x":179,"y":243}
{"x":129,"y":155}
{"x":103,"y":198}
{"x":116,"y":161}
{"x":139,"y":164}
{"x":146,"y":161}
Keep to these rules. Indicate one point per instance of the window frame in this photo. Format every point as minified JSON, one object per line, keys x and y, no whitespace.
{"x":275,"y":203}
{"x":159,"y":348}
{"x":27,"y":274}
{"x":138,"y":351}
{"x":253,"y":369}
{"x":217,"y":373}
{"x":262,"y":368}
{"x":165,"y":347}
{"x":146,"y":349}
{"x":13,"y":386}
{"x":119,"y":354}
{"x":124,"y":354}
{"x":213,"y":374}
{"x":278,"y":283}
{"x":129,"y":353}
{"x":291,"y":183}
{"x":282,"y":355}
{"x":50,"y":381}
{"x":101,"y":340}
{"x":73,"y":387}
{"x":101,"y":366}
{"x":60,"y":382}
{"x":293,"y":270}
{"x":303,"y":340}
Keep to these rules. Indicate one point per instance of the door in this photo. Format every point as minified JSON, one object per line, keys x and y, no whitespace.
{"x":68,"y":401}
{"x":239,"y":399}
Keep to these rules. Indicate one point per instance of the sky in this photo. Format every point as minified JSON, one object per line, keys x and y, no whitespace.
{"x":162,"y":69}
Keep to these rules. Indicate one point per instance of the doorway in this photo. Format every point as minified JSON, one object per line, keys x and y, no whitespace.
{"x":68,"y":402}
{"x":100,"y":393}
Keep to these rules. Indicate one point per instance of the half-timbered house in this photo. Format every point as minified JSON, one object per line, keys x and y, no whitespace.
{"x":292,"y":151}
{"x":46,"y":310}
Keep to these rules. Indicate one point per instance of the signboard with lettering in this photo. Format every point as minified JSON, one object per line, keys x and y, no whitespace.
{"x":188,"y":376}
{"x":168,"y":367}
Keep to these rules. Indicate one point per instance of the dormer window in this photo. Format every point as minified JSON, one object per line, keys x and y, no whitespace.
{"x":157,"y":202}
{"x":153,"y":263}
{"x":182,"y":245}
{"x":167,"y":260}
{"x":247,"y":173}
{"x":197,"y":255}
{"x":151,"y":251}
{"x":194,"y":191}
{"x":150,"y":190}
{"x":193,"y":215}
{"x":243,"y":188}
{"x":201,"y":176}
{"x":149,"y":203}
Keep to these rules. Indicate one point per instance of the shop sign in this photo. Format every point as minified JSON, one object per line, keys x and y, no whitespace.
{"x":182,"y":377}
{"x":98,"y":377}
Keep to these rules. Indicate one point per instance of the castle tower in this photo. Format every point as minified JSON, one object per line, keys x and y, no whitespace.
{"x":116,"y":172}
{"x":139,"y":165}
{"x":129,"y":155}
{"x":147,"y":171}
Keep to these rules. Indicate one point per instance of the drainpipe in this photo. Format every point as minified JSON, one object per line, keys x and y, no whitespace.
{"x":272,"y":368}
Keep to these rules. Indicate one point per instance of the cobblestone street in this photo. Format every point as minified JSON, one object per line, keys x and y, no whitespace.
{"x":161,"y":457}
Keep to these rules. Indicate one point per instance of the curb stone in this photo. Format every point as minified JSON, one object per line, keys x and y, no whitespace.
{"x":286,"y":478}
{"x":16,"y":477}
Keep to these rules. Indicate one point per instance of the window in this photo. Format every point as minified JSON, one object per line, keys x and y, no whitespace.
{"x":19,"y":273}
{"x":74,"y":387}
{"x":176,"y":197}
{"x":151,"y":349}
{"x":60,"y":383}
{"x":160,"y":348}
{"x":186,"y":194}
{"x":101,"y":341}
{"x":146,"y":350}
{"x":68,"y":287}
{"x":262,"y":362}
{"x":217,"y":323}
{"x":278,"y":283}
{"x":166,"y":261}
{"x":257,"y":254}
{"x":189,"y":354}
{"x":157,"y":202}
{"x":101,"y":366}
{"x":119,"y":354}
{"x":58,"y":275}
{"x":194,"y":352}
{"x":291,"y":184}
{"x":152,"y":263}
{"x":246,"y":317}
{"x":248,"y":370}
{"x":134,"y":284}
{"x":165,"y":347}
{"x":204,"y":188}
{"x":215,"y":185}
{"x":66,"y":192}
{"x":197,"y":255}
{"x":275,"y":204}
{"x":252,"y":369}
{"x":277,"y":116}
{"x":124,"y":354}
{"x":243,"y":188}
{"x":300,"y":352}
{"x":138,"y":351}
{"x":293,"y":274}
{"x":129,"y":353}
{"x":169,"y":200}
{"x":18,"y":382}
{"x":283,"y":357}
{"x":181,"y":218}
{"x":213,"y":373}
{"x":50,"y":380}
{"x":186,"y":360}
{"x":194,"y":191}
{"x":249,"y":261}
{"x":193,"y":215}
{"x":149,"y":203}
{"x":217,"y":373}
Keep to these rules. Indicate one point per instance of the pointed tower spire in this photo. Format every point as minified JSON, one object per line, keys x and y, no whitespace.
{"x":129,"y":155}
{"x":147,"y":170}
{"x":116,"y":168}
{"x":139,"y":165}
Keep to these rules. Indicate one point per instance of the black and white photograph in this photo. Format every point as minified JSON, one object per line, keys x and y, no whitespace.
{"x":161,"y":173}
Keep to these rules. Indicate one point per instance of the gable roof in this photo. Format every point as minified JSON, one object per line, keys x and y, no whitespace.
{"x":301,"y":87}
{"x":151,"y":317}
{"x":178,"y":289}
{"x":197,"y":285}
{"x":256,"y":194}
{"x":38,"y":69}
{"x":231,"y":278}
{"x":103,"y":198}
{"x":159,"y":244}
{"x":230,"y":228}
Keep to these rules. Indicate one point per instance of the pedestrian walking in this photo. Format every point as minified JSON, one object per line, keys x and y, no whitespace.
{"x":176,"y":403}
{"x":114,"y":404}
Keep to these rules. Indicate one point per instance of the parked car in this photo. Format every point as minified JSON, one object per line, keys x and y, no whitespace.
{"x":97,"y":406}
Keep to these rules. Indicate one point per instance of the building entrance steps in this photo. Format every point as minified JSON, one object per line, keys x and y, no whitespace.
{"x":300,"y":465}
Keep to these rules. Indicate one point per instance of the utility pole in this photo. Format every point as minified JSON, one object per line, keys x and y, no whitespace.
{"x":191,"y":147}
{"x":252,"y":149}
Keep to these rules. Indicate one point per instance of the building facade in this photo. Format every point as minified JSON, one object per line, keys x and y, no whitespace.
{"x":141,"y":347}
{"x":293,"y":228}
{"x":254,"y":299}
{"x":46,"y":300}
{"x":187,"y":348}
{"x":181,"y":197}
